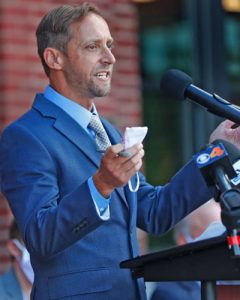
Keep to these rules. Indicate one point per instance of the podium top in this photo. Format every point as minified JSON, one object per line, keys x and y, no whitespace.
{"x":204,"y":260}
{"x":171,"y":253}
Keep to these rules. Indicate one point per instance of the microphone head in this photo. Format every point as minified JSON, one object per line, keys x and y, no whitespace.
{"x":174,"y":83}
{"x":219,"y":154}
{"x":232,"y":150}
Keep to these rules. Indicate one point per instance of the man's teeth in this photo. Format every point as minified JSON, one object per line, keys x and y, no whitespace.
{"x":102,"y":75}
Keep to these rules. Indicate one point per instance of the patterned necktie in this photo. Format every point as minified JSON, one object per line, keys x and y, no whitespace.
{"x":102,"y":139}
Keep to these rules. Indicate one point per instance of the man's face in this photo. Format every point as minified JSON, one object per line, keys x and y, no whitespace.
{"x":89,"y":62}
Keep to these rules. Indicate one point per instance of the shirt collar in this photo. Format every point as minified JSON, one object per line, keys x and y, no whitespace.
{"x":77,"y":112}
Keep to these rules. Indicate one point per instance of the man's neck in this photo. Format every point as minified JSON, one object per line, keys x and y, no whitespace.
{"x":64,"y":90}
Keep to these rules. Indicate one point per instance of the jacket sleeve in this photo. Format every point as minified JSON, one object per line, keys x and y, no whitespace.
{"x":161,"y":207}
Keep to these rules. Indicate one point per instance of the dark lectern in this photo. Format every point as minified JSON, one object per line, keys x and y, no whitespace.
{"x":206,"y":261}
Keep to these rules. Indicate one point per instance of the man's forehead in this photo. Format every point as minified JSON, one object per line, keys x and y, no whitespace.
{"x":92,"y":27}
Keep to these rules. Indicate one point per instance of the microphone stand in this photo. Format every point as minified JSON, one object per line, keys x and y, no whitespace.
{"x":230,"y":215}
{"x":208,"y":290}
{"x":230,"y":210}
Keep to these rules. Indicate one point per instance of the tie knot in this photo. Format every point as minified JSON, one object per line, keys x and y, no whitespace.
{"x":102,"y":139}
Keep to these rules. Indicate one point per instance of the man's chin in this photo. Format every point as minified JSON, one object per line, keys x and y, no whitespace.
{"x":102,"y":92}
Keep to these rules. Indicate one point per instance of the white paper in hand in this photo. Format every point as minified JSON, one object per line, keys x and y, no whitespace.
{"x":131,"y":137}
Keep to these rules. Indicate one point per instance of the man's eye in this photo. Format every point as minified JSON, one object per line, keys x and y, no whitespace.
{"x":92,"y":47}
{"x":110,"y":46}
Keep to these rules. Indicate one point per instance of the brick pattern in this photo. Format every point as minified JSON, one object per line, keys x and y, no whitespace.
{"x":22,"y":74}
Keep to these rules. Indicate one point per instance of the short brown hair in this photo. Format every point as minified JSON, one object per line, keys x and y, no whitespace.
{"x":53,"y":30}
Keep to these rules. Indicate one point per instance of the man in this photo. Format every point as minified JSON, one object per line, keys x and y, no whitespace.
{"x":65,"y":176}
{"x":16,"y":283}
{"x":186,"y":231}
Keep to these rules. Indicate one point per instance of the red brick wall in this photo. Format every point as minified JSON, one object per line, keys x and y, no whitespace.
{"x":22,"y":74}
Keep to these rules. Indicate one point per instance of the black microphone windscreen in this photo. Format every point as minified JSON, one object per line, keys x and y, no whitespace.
{"x":232,"y":150}
{"x":174,"y":83}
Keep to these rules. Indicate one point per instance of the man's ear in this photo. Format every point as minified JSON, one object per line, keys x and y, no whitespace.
{"x":53,"y":58}
{"x":13,"y":249}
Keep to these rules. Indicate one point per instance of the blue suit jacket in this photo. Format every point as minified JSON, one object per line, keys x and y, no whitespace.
{"x":46,"y":159}
{"x":9,"y":286}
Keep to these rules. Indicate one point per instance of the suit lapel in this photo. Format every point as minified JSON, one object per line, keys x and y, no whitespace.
{"x":114,"y":135}
{"x":69,"y":128}
{"x":76,"y":134}
{"x":115,"y":138}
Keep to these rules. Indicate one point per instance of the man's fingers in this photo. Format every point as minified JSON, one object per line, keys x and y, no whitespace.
{"x":134,"y":162}
{"x":113,"y":151}
{"x":229,"y":123}
{"x":118,"y":151}
{"x":116,"y":170}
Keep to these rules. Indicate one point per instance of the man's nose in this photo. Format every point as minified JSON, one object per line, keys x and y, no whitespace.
{"x":108,"y":57}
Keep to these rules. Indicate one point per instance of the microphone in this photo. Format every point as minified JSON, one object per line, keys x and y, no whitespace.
{"x":179,"y":85}
{"x":216,"y":161}
{"x":216,"y":165}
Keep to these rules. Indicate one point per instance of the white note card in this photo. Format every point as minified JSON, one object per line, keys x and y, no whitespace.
{"x":133,"y":136}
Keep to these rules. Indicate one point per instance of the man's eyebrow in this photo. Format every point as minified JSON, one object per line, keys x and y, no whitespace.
{"x":97,"y":40}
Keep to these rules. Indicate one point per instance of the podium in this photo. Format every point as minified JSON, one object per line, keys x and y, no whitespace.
{"x":207,"y":261}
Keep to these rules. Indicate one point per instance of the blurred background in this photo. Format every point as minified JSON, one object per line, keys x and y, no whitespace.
{"x":199,"y":37}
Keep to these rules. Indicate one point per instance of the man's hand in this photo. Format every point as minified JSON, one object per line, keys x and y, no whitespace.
{"x":116,"y":170}
{"x":225,"y":131}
